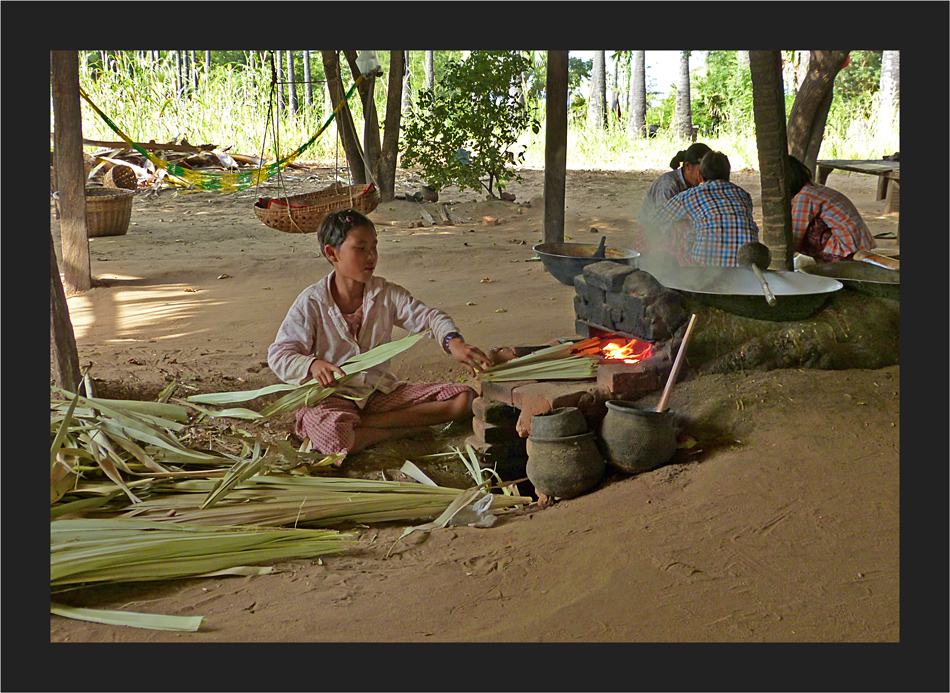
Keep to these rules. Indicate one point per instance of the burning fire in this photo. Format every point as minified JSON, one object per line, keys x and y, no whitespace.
{"x":633,"y":351}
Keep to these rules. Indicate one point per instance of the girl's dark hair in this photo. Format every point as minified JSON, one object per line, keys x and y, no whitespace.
{"x":715,"y":166}
{"x":693,"y":154}
{"x":798,"y":176}
{"x":336,"y":225}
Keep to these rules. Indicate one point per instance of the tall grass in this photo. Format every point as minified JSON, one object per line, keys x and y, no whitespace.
{"x":233,"y":108}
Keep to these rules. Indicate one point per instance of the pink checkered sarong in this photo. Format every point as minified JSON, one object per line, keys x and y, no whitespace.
{"x":331,"y":423}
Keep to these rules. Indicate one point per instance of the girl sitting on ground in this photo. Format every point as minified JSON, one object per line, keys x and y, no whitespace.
{"x":348,"y":312}
{"x":825,"y":224}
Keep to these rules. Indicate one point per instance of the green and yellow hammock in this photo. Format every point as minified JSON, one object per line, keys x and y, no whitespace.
{"x":221,"y":182}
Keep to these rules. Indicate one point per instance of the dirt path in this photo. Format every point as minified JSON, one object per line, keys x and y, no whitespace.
{"x":781,"y":525}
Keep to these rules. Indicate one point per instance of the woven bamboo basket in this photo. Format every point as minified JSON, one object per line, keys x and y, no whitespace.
{"x":108,"y":211}
{"x":304,"y":213}
{"x":120,"y":177}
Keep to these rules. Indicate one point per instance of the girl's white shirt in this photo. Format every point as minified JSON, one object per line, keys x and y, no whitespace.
{"x":314,"y":328}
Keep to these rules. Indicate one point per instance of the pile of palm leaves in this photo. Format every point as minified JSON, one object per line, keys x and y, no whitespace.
{"x":132,"y":500}
{"x":569,"y":361}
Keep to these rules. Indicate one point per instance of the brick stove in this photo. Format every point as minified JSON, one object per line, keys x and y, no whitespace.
{"x":615,"y":303}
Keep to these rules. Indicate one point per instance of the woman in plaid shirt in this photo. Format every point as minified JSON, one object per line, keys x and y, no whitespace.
{"x":713,"y":220}
{"x":651,"y":235}
{"x":825,"y":224}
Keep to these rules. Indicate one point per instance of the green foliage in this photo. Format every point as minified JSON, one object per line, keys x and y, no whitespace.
{"x":722,"y":95}
{"x":477,"y":107}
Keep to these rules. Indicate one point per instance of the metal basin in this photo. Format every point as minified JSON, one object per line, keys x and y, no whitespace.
{"x":863,"y":277}
{"x":737,"y":290}
{"x":564,"y":261}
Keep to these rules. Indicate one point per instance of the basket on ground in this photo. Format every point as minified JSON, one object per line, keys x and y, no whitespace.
{"x":303,"y":213}
{"x":108,"y":211}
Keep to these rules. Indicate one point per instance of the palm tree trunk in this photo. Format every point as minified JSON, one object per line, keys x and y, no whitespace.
{"x":683,"y":117}
{"x":890,"y":92}
{"x":279,"y":67}
{"x":291,"y":82}
{"x":430,"y":70}
{"x":308,"y":86}
{"x":388,"y":156}
{"x":597,"y":106}
{"x":638,"y":95}
{"x":768,"y":110}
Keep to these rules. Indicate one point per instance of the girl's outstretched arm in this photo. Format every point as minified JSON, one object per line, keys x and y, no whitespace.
{"x":469,"y":356}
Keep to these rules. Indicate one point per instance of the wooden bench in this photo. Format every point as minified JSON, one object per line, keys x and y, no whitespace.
{"x":886,"y":171}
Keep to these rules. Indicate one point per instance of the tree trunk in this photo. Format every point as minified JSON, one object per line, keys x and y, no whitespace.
{"x":308,"y":85}
{"x":207,"y":66}
{"x":597,"y":106}
{"x":890,"y":93}
{"x":279,"y":68}
{"x":367,"y":90}
{"x":683,"y":117}
{"x":70,"y":174}
{"x":407,"y":87}
{"x":612,"y":89}
{"x":430,"y":70}
{"x":638,"y":95}
{"x":768,"y":101}
{"x":809,"y":112}
{"x":344,"y":119}
{"x":388,"y":156}
{"x":194,"y":70}
{"x":291,"y":83}
{"x":180,"y":84}
{"x":555,"y":147}
{"x":62,"y":339}
{"x":742,"y":61}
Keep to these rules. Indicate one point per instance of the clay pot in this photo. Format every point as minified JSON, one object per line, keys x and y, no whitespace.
{"x":564,"y":467}
{"x":559,"y":423}
{"x":635,"y":439}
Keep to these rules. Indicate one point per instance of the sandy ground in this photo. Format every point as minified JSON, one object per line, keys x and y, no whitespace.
{"x":782,"y":526}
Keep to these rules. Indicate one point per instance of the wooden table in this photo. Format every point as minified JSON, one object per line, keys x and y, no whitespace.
{"x":886,"y":171}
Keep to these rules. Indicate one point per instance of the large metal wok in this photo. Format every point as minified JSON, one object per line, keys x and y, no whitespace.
{"x":863,"y":277}
{"x":798,"y":296}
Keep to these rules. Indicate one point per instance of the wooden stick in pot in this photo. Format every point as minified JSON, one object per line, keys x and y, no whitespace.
{"x":757,"y":257}
{"x":677,"y":363}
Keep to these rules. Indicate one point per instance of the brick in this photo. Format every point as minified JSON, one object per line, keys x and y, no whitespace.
{"x":500,"y":392}
{"x":542,"y":397}
{"x":494,"y":435}
{"x":616,"y":318}
{"x":494,"y":412}
{"x":580,"y":307}
{"x":582,"y":329}
{"x":642,"y":284}
{"x":607,"y":275}
{"x":581,"y":288}
{"x":628,"y":380}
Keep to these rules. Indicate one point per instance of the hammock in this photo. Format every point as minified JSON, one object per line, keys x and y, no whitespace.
{"x":223,"y":182}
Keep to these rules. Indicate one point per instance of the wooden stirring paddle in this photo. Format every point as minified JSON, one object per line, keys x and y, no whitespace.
{"x":757,"y":257}
{"x":677,"y":363}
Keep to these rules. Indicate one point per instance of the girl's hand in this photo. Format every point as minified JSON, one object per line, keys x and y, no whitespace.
{"x":325,"y":373}
{"x":469,"y":356}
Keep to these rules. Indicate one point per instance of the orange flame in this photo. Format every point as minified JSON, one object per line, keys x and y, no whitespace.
{"x":633,"y":351}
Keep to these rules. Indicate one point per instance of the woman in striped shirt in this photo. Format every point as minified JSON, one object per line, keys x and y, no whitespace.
{"x":825,"y":224}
